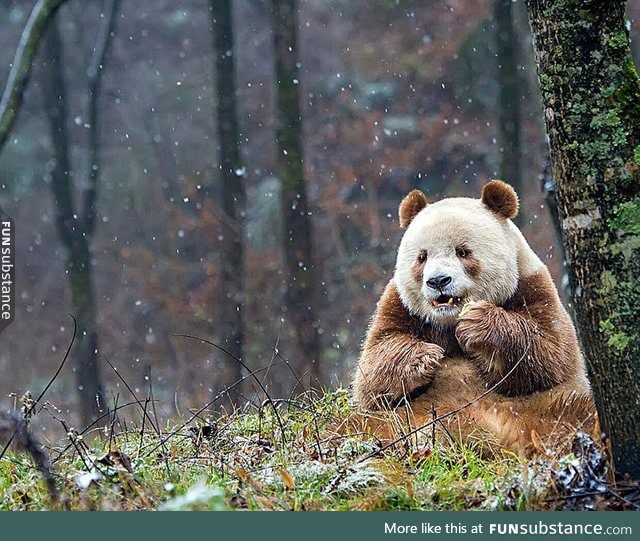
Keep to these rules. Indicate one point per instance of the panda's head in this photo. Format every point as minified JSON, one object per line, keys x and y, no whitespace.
{"x":457,"y":250}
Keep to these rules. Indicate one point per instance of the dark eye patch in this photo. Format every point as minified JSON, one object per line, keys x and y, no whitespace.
{"x":463,"y":252}
{"x":471,"y":264}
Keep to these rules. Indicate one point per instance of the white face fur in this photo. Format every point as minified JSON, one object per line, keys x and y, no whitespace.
{"x":455,"y":251}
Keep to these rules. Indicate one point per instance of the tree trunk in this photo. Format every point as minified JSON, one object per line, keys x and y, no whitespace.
{"x":510,"y":94}
{"x":301,"y":291}
{"x":591,"y":96}
{"x":75,"y":237}
{"x":40,"y":17}
{"x":231,"y":312}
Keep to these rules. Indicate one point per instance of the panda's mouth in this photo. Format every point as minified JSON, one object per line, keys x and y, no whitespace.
{"x":446,"y":301}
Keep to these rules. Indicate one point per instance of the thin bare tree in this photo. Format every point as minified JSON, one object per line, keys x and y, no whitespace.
{"x":76,"y":222}
{"x":301,"y":272}
{"x":230,"y":313}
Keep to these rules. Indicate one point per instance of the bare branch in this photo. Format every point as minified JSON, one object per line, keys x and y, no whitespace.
{"x":18,"y":431}
{"x":251,"y":373}
{"x":11,"y":101}
{"x":94,"y":74}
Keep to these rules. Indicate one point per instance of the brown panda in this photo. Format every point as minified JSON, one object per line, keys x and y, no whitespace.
{"x":472,"y":321}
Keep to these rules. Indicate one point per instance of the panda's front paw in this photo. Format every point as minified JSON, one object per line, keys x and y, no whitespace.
{"x":421,"y":366}
{"x":478,"y":326}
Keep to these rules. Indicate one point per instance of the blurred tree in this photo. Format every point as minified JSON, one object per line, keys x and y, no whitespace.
{"x":40,"y":17}
{"x":509,"y":98}
{"x":231,"y":311}
{"x":95,"y":72}
{"x":591,"y":94}
{"x":302,"y":286}
{"x":76,"y":224}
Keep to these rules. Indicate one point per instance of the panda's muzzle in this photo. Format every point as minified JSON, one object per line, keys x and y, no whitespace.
{"x":439,"y":282}
{"x":446,"y":301}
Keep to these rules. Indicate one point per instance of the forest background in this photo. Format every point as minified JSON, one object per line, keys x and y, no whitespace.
{"x":396,"y":95}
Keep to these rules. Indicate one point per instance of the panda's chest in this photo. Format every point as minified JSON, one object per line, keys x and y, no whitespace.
{"x":444,"y":337}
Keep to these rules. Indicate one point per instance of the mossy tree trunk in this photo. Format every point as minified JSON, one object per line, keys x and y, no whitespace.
{"x":591,"y":96}
{"x":231,"y":312}
{"x":301,"y":287}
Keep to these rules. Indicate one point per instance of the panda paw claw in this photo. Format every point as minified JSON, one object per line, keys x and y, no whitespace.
{"x":422,"y":365}
{"x":477,"y":325}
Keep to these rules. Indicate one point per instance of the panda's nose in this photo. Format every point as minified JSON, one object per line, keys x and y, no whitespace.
{"x":439,"y":282}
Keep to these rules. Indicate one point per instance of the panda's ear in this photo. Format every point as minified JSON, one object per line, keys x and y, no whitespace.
{"x":410,"y":206}
{"x":500,"y":198}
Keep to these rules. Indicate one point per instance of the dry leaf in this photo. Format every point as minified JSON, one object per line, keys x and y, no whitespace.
{"x":421,"y":454}
{"x":537,"y":442}
{"x":116,"y":459}
{"x":287,"y":479}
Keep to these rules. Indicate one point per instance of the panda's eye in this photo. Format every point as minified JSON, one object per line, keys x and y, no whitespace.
{"x":422,"y":256}
{"x":463,"y":251}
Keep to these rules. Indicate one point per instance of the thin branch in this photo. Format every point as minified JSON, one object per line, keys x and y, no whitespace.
{"x":251,"y":374}
{"x":40,"y":17}
{"x":203,"y":408}
{"x":138,"y":401}
{"x":88,"y":427}
{"x":299,"y":382}
{"x":55,"y":376}
{"x":64,"y":360}
{"x":94,"y":74}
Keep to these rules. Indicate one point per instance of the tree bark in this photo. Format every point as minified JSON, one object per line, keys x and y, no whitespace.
{"x":301,"y":291}
{"x":509,"y":98}
{"x":591,"y":96}
{"x":75,"y":229}
{"x":231,"y":312}
{"x":40,"y":17}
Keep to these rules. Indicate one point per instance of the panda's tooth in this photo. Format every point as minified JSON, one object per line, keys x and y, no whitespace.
{"x":450,"y":301}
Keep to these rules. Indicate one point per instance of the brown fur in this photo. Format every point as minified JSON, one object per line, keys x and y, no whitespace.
{"x":406,"y":360}
{"x":472,"y":265}
{"x":402,"y":352}
{"x":514,"y":371}
{"x":500,"y":198}
{"x":538,"y":423}
{"x":531,"y":329}
{"x":410,"y":206}
{"x":417,"y":269}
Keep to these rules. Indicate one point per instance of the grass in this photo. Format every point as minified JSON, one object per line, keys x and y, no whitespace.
{"x":268,"y":458}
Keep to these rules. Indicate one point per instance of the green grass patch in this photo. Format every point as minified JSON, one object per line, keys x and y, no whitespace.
{"x":273,"y":457}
